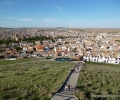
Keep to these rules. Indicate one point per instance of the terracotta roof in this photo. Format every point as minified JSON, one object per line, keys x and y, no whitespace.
{"x":113,"y":56}
{"x":39,"y":47}
{"x":105,"y":54}
{"x":85,"y":54}
{"x":29,"y":50}
{"x":94,"y":54}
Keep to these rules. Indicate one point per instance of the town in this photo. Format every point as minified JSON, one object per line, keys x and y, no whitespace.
{"x":95,"y":45}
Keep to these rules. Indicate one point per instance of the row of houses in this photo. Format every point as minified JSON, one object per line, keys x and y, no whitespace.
{"x":106,"y":57}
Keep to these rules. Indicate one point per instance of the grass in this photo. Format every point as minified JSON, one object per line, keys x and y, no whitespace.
{"x":33,"y":80}
{"x":98,"y":79}
{"x":5,"y":62}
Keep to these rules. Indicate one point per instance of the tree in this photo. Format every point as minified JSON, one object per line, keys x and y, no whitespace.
{"x":17,"y":48}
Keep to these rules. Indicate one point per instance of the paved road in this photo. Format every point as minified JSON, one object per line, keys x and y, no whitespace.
{"x":63,"y":94}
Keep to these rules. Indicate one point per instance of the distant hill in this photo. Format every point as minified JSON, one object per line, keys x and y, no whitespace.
{"x":5,"y":28}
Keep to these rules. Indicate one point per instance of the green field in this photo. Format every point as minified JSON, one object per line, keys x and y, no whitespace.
{"x":6,"y":62}
{"x":33,"y":80}
{"x":97,"y":80}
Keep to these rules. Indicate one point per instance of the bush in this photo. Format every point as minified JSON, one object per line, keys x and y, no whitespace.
{"x":49,"y":57}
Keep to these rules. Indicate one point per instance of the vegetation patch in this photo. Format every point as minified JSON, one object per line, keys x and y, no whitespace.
{"x":6,"y":62}
{"x":99,"y":82}
{"x":33,"y":80}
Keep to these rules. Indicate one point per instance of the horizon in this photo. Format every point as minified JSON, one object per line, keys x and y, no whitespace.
{"x":63,"y":13}
{"x":56,"y":28}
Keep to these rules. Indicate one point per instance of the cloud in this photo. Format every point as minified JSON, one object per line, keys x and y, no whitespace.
{"x":46,"y":25}
{"x":57,"y":7}
{"x":8,"y":17}
{"x":49,"y":19}
{"x":25,"y":19}
{"x":60,"y":8}
{"x":5,"y":3}
{"x":72,"y":24}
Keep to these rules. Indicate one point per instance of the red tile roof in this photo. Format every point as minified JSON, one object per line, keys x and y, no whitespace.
{"x":39,"y":47}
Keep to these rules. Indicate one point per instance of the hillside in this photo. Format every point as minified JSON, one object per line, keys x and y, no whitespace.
{"x":33,"y":80}
{"x":99,"y":82}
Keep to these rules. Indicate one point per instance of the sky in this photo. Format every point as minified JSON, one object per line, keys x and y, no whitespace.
{"x":60,"y":13}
